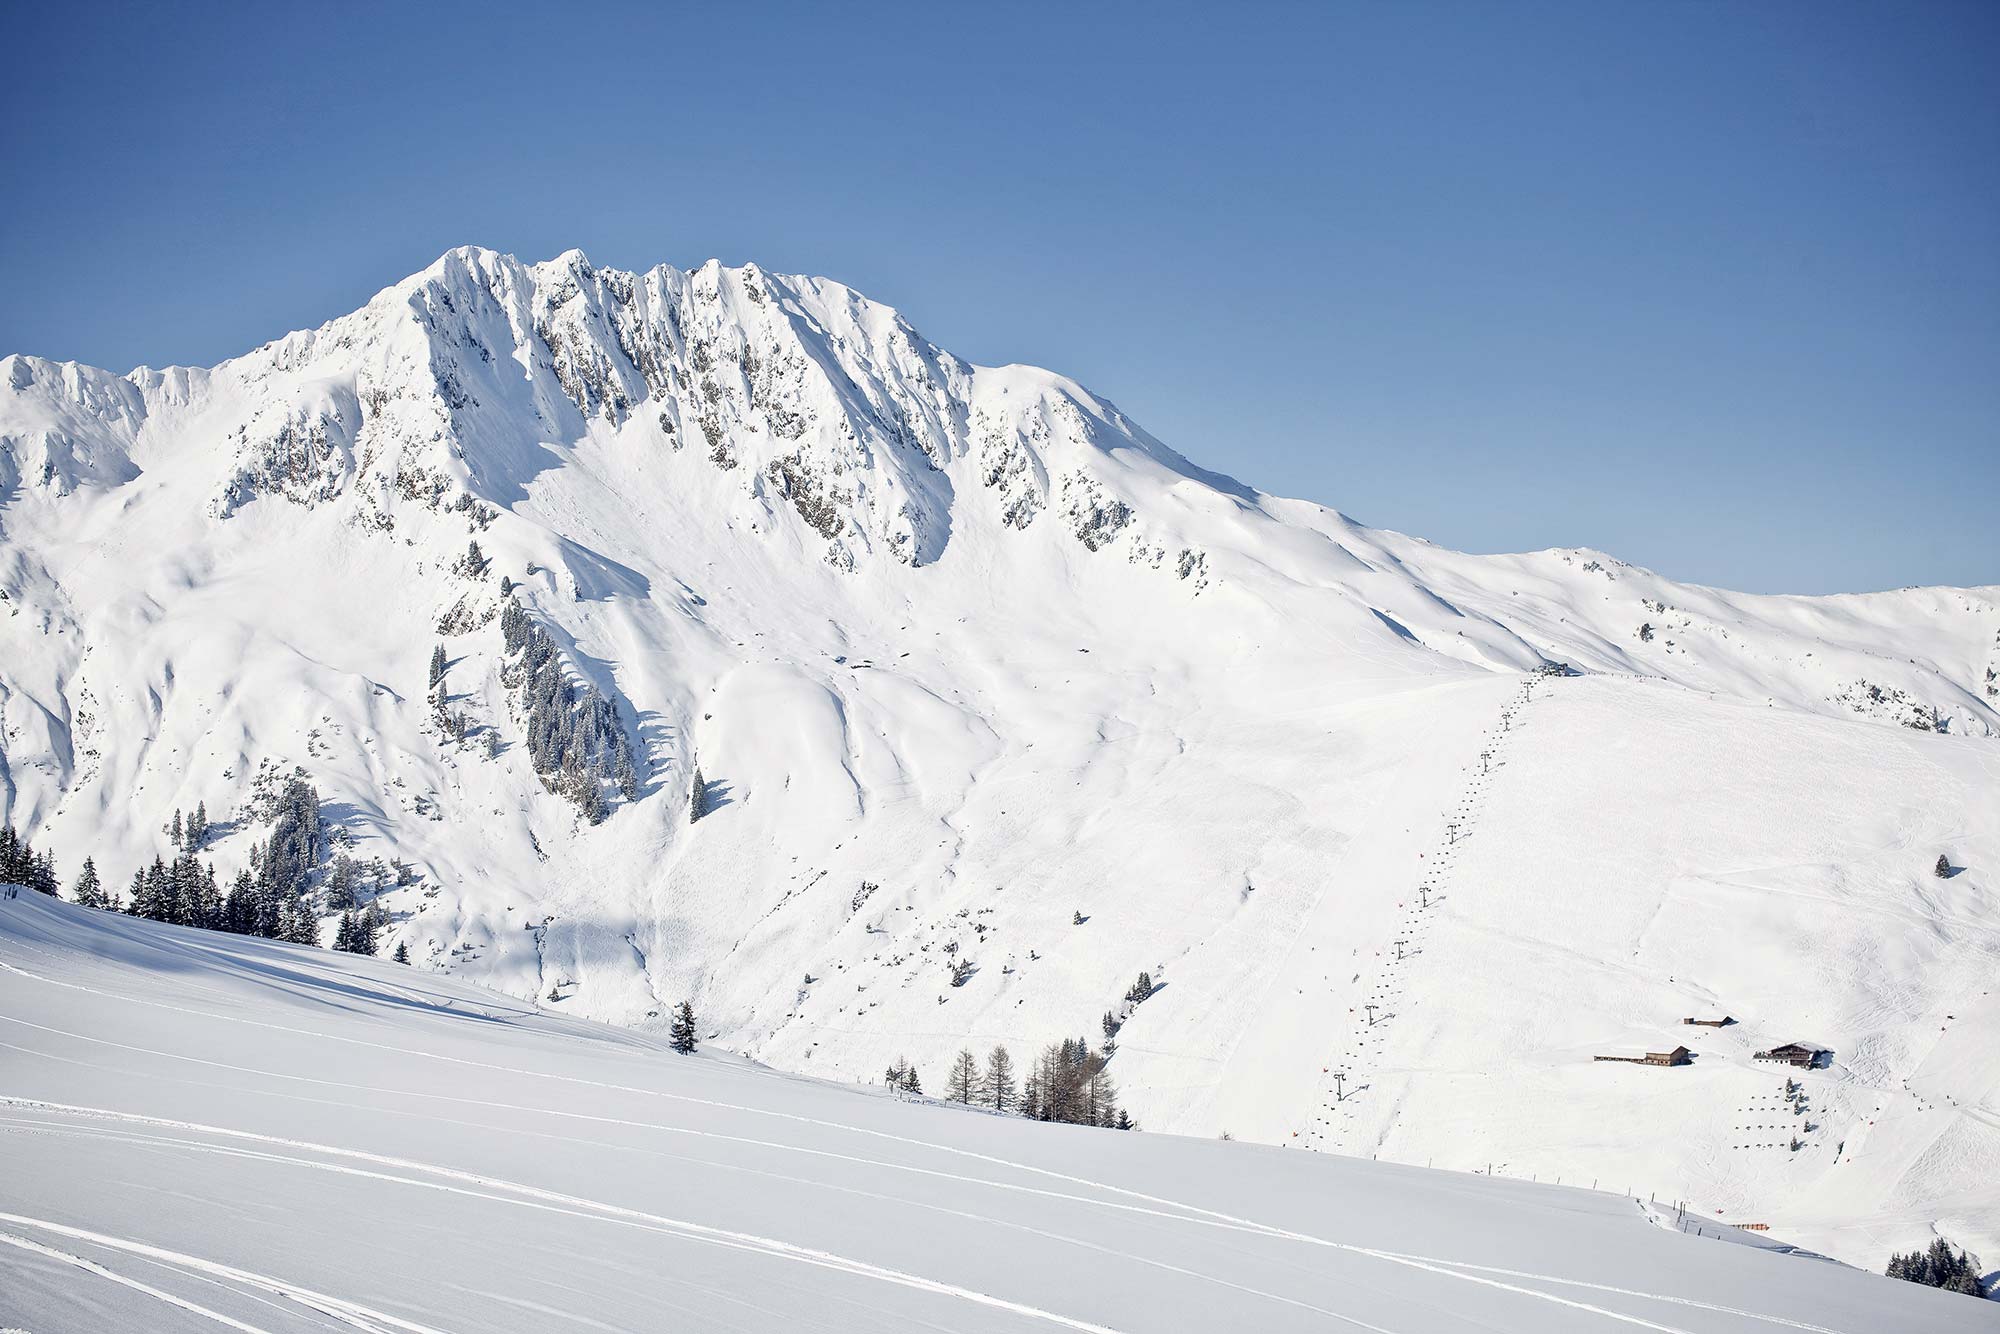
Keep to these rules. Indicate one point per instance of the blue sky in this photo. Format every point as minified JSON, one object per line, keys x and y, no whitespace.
{"x":1714,"y":287}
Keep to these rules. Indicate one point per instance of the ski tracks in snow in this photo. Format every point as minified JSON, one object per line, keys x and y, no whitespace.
{"x":349,"y":1313}
{"x":454,"y":1181}
{"x":1169,"y":1209}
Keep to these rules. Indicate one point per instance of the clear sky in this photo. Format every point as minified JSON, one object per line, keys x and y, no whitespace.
{"x":1714,"y":287}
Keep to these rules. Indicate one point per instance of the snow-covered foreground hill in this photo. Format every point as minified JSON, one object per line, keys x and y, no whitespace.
{"x":979,"y":672}
{"x":203,"y":1132}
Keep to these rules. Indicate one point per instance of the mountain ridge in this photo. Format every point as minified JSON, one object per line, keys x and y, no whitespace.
{"x":977,"y":669}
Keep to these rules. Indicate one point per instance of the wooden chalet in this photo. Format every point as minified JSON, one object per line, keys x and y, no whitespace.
{"x":1794,"y":1053}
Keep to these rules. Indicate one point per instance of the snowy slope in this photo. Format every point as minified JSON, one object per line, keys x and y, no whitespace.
{"x":969,"y":636}
{"x":207,"y":1132}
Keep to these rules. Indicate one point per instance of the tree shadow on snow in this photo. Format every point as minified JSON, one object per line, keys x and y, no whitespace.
{"x":715,"y":795}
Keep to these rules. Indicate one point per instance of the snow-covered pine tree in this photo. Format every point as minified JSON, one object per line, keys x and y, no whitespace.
{"x":293,"y":852}
{"x":197,"y":827}
{"x":402,"y":954}
{"x":590,"y":799}
{"x":340,"y":885}
{"x":21,"y":865}
{"x":697,"y":796}
{"x":174,"y":829}
{"x":364,"y":931}
{"x":438,"y":661}
{"x":89,"y":891}
{"x":297,"y":924}
{"x":962,"y":1085}
{"x":1943,"y":868}
{"x":682,"y":1033}
{"x":240,"y":908}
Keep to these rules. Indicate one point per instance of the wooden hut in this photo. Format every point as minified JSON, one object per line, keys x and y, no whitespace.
{"x":1794,"y":1053}
{"x":1678,"y":1056}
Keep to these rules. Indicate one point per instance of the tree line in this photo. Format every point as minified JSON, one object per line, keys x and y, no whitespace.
{"x":1069,"y":1082}
{"x":1937,"y":1268}
{"x":20,"y":864}
{"x":274,"y":897}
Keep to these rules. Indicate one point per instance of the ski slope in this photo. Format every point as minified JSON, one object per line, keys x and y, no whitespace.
{"x":965,"y":655}
{"x":204,"y":1132}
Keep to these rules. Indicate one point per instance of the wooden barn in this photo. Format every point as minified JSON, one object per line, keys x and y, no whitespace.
{"x":1794,"y":1053}
{"x":1678,"y":1056}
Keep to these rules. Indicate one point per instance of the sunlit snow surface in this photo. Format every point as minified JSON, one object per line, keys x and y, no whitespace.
{"x":970,"y":636}
{"x":202,"y":1132}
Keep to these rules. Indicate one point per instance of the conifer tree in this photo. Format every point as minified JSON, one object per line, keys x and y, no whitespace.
{"x":174,"y":829}
{"x":340,"y":884}
{"x":21,"y":865}
{"x":240,"y":908}
{"x":998,"y":1086}
{"x":89,"y":891}
{"x":682,"y":1033}
{"x":697,"y":796}
{"x":962,"y":1085}
{"x":402,"y":954}
{"x":438,"y":662}
{"x":364,"y":931}
{"x":1943,"y":868}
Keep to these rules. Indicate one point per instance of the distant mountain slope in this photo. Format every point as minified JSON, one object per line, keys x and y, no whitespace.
{"x":966,"y":656}
{"x":209,"y":1132}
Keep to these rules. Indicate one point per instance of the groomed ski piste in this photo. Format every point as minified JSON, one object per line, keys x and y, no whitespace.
{"x":202,"y":1132}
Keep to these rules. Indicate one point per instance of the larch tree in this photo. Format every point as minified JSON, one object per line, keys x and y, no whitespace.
{"x":998,"y":1086}
{"x":962,"y":1085}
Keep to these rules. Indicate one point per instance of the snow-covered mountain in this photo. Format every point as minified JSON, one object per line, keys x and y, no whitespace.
{"x":208,"y":1132}
{"x":975,"y":669}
